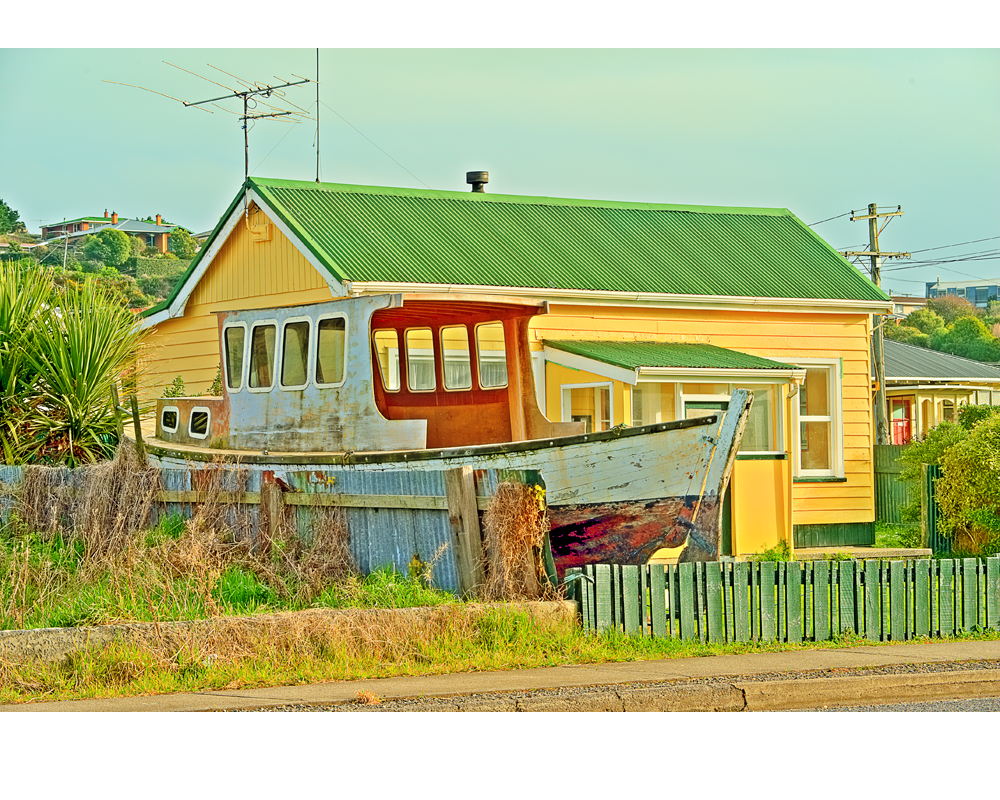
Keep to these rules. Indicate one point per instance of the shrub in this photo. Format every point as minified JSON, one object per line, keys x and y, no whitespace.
{"x":929,"y":450}
{"x":969,"y":490}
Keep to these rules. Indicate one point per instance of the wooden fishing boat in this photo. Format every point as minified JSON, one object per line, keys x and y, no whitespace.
{"x":425,"y":382}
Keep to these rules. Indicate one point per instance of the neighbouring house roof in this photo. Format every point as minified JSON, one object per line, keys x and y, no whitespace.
{"x":78,"y":219}
{"x":631,"y":360}
{"x":370,"y":235}
{"x":909,"y":363}
{"x":130,"y":226}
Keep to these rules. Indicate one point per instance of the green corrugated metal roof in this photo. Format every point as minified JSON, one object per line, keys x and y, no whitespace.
{"x":636,"y":355}
{"x":366,"y":233}
{"x":387,"y":235}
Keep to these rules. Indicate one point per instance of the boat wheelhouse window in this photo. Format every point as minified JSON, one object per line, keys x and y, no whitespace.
{"x":386,"y":344}
{"x":198,"y":427}
{"x":457,"y":360}
{"x":492,"y":353}
{"x":262,"y":356}
{"x":420,"y":360}
{"x":295,"y":354}
{"x":331,"y":336}
{"x":168,"y":419}
{"x":235,"y":344}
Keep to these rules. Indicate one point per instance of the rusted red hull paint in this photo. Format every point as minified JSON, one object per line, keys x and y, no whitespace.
{"x":629,"y":532}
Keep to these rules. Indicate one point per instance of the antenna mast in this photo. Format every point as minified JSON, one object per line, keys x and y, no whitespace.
{"x":248,"y":96}
{"x":317,"y":115}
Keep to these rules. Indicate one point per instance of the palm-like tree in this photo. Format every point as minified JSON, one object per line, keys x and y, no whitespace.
{"x":61,"y":351}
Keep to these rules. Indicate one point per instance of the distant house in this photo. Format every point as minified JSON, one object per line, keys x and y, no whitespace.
{"x":925,"y":387}
{"x":904,"y":305}
{"x":153,"y":234}
{"x":657,"y":312}
{"x":978,"y":292}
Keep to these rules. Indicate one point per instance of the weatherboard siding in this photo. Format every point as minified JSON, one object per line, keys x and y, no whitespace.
{"x":784,"y":337}
{"x":243,"y":274}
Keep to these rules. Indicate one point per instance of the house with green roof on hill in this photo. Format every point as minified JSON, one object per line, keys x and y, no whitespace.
{"x":655,"y":312}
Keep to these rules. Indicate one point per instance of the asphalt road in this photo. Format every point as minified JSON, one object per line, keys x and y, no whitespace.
{"x":960,"y":705}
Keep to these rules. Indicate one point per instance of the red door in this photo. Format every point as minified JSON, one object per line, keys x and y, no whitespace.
{"x":902,"y":428}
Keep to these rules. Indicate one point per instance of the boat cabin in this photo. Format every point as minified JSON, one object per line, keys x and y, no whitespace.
{"x":370,"y":373}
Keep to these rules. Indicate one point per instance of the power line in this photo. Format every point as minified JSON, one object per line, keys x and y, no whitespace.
{"x":811,"y":224}
{"x":375,"y":145}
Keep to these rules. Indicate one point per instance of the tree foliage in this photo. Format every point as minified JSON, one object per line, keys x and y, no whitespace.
{"x":968,"y":491}
{"x":183,"y":244}
{"x":10,"y":220}
{"x":906,"y":334}
{"x":951,"y":308}
{"x":968,"y":337}
{"x":924,"y":320}
{"x":62,"y":346}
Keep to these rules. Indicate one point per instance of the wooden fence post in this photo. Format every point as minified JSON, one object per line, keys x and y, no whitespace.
{"x":272,"y":506}
{"x":463,"y":513}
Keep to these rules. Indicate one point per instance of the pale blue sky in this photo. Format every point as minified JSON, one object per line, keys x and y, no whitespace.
{"x":817,"y":131}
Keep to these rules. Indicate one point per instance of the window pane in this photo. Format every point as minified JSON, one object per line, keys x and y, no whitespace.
{"x":330,"y":343}
{"x":294,"y":354}
{"x":815,"y":394}
{"x":816,"y":444}
{"x":492,"y":355}
{"x":387,"y":354}
{"x":457,"y":362}
{"x":758,"y":434}
{"x":420,"y":359}
{"x":235,"y":339}
{"x":650,"y":403}
{"x":262,"y":357}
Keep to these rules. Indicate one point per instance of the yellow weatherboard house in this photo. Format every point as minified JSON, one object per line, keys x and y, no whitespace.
{"x":657,"y":312}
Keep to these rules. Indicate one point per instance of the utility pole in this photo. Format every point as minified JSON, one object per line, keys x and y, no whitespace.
{"x":881,"y":416}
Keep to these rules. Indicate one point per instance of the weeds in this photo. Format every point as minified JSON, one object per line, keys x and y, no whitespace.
{"x":780,"y":552}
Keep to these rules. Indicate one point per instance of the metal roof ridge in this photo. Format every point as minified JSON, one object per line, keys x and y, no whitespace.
{"x":492,"y":197}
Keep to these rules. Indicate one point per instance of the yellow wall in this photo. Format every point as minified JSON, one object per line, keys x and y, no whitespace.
{"x":244,"y":274}
{"x":783,"y":337}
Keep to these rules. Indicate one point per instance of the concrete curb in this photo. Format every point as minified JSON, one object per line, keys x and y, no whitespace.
{"x":777,"y":695}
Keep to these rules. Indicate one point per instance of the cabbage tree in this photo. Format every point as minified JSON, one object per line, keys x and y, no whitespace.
{"x":60,"y":360}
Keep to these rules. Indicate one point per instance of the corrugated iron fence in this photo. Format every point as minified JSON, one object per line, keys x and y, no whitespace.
{"x":391,"y":516}
{"x":891,"y":493}
{"x":790,"y":601}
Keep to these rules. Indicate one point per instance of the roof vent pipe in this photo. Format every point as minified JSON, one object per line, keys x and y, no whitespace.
{"x":478,"y":180}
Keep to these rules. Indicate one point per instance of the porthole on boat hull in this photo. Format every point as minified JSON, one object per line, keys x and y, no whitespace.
{"x":200,"y":419}
{"x":168,"y":419}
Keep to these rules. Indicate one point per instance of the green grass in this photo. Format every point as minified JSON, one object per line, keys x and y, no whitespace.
{"x":897,"y":536}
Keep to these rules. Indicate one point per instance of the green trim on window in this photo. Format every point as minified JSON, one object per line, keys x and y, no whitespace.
{"x":761,"y":456}
{"x":819,"y":480}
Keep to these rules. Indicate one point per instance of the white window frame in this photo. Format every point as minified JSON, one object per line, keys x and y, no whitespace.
{"x":683,"y":399}
{"x":566,"y":404}
{"x":277,"y":354}
{"x":444,"y":357}
{"x":177,"y":418}
{"x":836,"y":419}
{"x":393,"y":362}
{"x":419,"y":354}
{"x":479,"y":354}
{"x":208,"y":422}
{"x":225,"y":357}
{"x":314,"y":345}
{"x":280,"y":357}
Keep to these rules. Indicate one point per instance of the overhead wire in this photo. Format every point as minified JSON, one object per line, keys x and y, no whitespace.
{"x":375,"y":145}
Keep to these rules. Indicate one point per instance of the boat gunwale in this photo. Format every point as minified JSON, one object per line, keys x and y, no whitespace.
{"x":348,"y":458}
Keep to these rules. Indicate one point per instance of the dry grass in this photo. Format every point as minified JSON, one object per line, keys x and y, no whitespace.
{"x":514,"y":525}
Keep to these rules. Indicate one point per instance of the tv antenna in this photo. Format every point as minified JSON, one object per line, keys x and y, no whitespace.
{"x":254,"y":95}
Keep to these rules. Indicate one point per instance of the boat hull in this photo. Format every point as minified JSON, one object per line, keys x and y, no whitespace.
{"x":615,"y":496}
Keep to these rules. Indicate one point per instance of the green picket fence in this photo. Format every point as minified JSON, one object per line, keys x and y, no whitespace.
{"x":790,"y":601}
